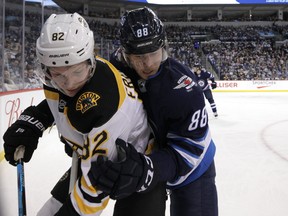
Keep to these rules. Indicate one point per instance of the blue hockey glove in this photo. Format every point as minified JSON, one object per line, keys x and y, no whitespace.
{"x":213,"y":85}
{"x":133,"y":173}
{"x":26,"y":132}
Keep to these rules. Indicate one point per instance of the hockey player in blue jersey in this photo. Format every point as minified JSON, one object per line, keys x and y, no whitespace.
{"x":203,"y":77}
{"x":175,"y":105}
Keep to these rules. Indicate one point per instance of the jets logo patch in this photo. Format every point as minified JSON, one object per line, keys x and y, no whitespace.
{"x":185,"y":82}
{"x":201,"y":83}
{"x":86,"y":101}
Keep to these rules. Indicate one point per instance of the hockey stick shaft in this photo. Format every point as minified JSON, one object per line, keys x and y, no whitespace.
{"x":19,"y":153}
{"x":21,"y":189}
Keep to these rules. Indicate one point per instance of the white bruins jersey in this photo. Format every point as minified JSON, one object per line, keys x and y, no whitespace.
{"x":105,"y":109}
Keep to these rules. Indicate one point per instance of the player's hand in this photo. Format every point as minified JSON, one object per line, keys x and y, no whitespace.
{"x":213,"y":85}
{"x":133,"y":173}
{"x":24,"y":132}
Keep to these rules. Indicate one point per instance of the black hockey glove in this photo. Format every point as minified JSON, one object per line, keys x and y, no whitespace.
{"x":213,"y":85}
{"x":25,"y":131}
{"x":133,"y":173}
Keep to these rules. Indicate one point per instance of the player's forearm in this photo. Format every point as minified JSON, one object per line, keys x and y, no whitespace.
{"x":44,"y":109}
{"x":168,"y":165}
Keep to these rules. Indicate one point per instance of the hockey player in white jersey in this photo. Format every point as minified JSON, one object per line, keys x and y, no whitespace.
{"x":92,"y":105}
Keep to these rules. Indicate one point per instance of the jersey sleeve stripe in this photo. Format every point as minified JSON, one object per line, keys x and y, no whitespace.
{"x":84,"y":206}
{"x":51,"y":95}
{"x":197,"y":171}
{"x":198,"y":163}
{"x":90,"y":193}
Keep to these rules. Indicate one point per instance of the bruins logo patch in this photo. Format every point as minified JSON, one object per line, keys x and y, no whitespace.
{"x":86,"y":101}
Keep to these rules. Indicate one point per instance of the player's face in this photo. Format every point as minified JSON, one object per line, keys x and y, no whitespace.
{"x":146,"y":64}
{"x":197,"y":70}
{"x":71,"y":78}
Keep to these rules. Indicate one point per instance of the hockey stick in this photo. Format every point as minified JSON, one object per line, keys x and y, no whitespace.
{"x":74,"y":170}
{"x":18,"y":156}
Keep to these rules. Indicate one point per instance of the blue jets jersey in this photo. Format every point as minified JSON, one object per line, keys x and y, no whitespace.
{"x":176,"y":110}
{"x":203,"y":77}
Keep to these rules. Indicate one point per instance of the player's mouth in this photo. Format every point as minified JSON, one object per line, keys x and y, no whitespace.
{"x":147,"y":72}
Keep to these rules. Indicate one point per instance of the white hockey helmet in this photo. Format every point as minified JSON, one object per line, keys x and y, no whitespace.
{"x":65,"y":40}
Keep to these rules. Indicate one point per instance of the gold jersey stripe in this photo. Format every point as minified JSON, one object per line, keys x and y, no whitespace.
{"x":85,"y":185}
{"x":51,"y":95}
{"x":86,"y":209}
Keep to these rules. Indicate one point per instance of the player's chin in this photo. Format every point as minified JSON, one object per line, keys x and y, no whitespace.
{"x":71,"y":93}
{"x":74,"y":91}
{"x":145,"y":75}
